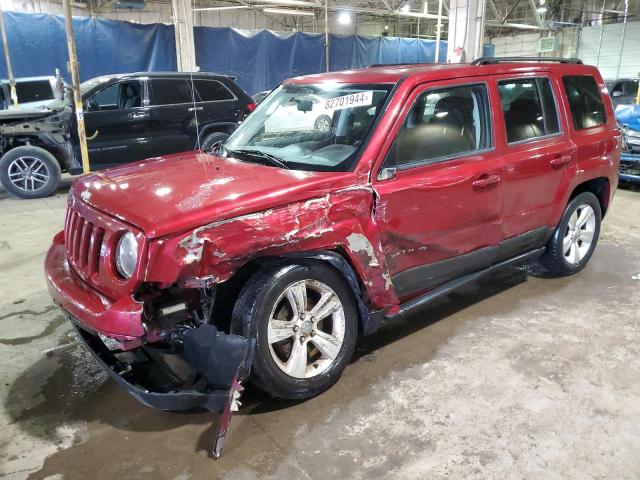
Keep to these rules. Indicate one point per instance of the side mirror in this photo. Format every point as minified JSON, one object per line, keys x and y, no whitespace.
{"x":616,"y":94}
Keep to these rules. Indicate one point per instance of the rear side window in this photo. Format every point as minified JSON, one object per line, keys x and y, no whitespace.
{"x":444,"y":123}
{"x":212,"y":91}
{"x":35,"y":91}
{"x":587,"y":108}
{"x":170,"y":91}
{"x":529,"y":108}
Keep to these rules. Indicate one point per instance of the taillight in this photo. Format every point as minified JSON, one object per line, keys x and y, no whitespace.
{"x":251,"y":106}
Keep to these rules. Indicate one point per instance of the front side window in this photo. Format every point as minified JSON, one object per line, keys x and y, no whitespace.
{"x":170,"y":91}
{"x":118,"y":96}
{"x":316,"y":127}
{"x":587,"y":108}
{"x":443,"y":123}
{"x":529,"y":108}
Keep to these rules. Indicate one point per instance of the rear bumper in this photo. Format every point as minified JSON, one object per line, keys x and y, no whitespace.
{"x":630,"y":167}
{"x":121,"y":320}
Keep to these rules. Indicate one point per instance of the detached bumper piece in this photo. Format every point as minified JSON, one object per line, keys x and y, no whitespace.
{"x":630,"y":167}
{"x":213,"y":363}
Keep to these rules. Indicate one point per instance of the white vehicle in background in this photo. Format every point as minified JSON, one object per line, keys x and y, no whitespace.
{"x":313,"y":115}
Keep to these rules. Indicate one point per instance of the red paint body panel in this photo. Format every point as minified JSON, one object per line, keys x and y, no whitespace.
{"x":198,"y":216}
{"x":121,"y":319}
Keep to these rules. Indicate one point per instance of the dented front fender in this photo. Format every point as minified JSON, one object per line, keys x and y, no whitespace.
{"x":340,"y":221}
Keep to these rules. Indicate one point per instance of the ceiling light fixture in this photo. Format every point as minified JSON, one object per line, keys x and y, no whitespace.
{"x":284,"y":11}
{"x":344,"y":18}
{"x":294,"y":3}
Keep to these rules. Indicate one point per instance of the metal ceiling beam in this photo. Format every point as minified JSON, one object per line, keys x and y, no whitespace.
{"x":536,"y":15}
{"x":494,"y":9}
{"x":510,"y":11}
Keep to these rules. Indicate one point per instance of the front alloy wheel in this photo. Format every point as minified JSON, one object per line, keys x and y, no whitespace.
{"x":304,"y":319}
{"x":306,"y":329}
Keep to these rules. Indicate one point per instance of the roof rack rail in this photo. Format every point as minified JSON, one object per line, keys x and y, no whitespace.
{"x":374,"y":65}
{"x":494,"y":60}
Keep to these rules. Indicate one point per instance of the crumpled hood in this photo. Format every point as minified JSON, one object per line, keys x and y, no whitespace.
{"x":172,"y":194}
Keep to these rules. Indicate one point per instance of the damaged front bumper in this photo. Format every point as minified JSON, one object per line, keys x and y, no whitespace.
{"x":199,"y":368}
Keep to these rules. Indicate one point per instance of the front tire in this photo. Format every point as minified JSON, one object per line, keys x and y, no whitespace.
{"x":29,"y":172}
{"x":575,"y":238}
{"x":304,"y":320}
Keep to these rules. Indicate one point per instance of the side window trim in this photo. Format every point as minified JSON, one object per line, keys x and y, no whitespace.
{"x":546,"y":136}
{"x":488,"y":131}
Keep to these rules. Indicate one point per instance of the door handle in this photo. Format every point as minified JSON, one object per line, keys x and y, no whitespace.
{"x":194,"y":109}
{"x":138,"y":115}
{"x":561,"y":160}
{"x":485,"y":180}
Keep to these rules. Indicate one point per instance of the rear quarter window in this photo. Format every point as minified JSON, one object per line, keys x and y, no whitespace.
{"x":212,"y":91}
{"x":585,"y":101}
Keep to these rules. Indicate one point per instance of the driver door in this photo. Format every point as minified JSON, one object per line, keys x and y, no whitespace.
{"x":117,"y":124}
{"x":439,"y":207}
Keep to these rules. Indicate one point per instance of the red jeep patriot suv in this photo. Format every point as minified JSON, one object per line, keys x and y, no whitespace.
{"x":188,"y":273}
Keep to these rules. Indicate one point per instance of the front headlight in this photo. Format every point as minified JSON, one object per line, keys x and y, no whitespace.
{"x":127,"y":255}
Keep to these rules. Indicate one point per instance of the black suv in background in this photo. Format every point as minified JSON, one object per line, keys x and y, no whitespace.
{"x":128,"y":117}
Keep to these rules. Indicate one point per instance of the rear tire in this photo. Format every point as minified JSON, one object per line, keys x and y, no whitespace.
{"x":29,"y":172}
{"x":297,"y":355}
{"x":575,"y":238}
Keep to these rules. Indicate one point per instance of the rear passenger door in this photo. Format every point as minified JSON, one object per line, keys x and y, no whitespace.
{"x":539,"y":155}
{"x":173,"y":115}
{"x":439,"y":192}
{"x":216,"y":103}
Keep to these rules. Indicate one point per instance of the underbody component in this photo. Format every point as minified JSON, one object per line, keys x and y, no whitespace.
{"x":216,"y":366}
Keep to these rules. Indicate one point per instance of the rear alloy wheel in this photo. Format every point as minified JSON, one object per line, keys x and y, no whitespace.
{"x":579,"y":234}
{"x":575,"y":238}
{"x":304,"y":320}
{"x":29,"y":172}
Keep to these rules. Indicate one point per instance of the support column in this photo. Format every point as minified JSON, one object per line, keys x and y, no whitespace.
{"x":466,"y":30}
{"x":182,"y":12}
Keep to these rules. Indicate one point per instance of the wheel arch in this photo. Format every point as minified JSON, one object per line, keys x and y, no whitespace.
{"x":600,"y":187}
{"x":224,"y":127}
{"x":368,"y":319}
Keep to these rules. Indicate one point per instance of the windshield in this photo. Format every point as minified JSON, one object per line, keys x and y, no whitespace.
{"x":309,"y":127}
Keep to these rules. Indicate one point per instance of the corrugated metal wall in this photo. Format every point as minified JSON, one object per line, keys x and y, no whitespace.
{"x":615,"y":59}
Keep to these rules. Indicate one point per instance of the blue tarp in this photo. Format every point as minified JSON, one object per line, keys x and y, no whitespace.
{"x":258,"y":59}
{"x":261,"y":60}
{"x":38,"y":46}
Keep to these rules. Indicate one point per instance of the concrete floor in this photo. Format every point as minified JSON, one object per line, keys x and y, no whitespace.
{"x":513,"y":377}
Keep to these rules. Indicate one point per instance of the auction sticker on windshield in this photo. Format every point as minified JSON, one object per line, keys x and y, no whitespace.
{"x":360,"y":99}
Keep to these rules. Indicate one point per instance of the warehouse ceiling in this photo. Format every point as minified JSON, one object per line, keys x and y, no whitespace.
{"x":419,"y":17}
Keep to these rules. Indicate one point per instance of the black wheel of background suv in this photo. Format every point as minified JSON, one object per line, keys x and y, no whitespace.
{"x":575,"y":239}
{"x":304,"y":319}
{"x":29,"y":172}
{"x":210,"y":140}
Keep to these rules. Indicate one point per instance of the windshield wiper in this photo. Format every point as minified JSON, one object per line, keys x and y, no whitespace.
{"x":272,"y":159}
